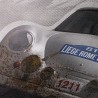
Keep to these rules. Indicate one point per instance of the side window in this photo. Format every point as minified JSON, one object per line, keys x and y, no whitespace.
{"x":95,"y":29}
{"x":83,"y":21}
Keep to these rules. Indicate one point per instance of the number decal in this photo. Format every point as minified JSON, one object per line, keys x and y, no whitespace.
{"x":71,"y":85}
{"x":68,"y":85}
{"x":65,"y":84}
{"x":60,"y":83}
{"x":78,"y":85}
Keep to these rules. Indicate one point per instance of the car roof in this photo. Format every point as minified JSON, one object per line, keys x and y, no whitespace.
{"x":46,"y":13}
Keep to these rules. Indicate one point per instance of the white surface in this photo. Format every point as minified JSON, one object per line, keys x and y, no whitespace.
{"x":43,"y":12}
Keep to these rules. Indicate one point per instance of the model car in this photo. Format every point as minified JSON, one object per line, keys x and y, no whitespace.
{"x":58,"y":61}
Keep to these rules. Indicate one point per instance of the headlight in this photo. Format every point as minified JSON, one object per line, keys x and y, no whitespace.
{"x":20,"y":40}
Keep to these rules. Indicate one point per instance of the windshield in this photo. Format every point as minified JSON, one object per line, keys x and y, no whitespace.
{"x":82,"y":21}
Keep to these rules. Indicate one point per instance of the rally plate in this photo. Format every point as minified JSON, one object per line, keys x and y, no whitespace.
{"x":68,"y":85}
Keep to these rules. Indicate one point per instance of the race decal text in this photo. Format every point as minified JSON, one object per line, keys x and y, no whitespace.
{"x":86,"y":52}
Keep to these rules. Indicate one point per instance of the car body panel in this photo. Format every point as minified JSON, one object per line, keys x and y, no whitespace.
{"x":60,"y":40}
{"x":71,"y":66}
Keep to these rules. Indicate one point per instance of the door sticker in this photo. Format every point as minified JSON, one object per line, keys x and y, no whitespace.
{"x":86,"y":52}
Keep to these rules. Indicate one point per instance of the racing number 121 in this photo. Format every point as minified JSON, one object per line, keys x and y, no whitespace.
{"x":66,"y":84}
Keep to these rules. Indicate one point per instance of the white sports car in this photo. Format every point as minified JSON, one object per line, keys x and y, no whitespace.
{"x":49,"y":48}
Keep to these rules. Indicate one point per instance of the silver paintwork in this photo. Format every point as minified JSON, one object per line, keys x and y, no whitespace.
{"x":47,"y":42}
{"x":59,"y":40}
